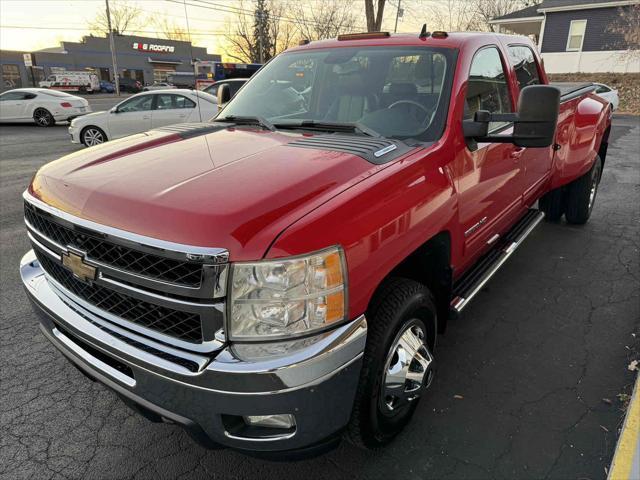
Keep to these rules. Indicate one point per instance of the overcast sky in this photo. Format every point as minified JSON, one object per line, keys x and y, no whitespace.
{"x":51,"y":21}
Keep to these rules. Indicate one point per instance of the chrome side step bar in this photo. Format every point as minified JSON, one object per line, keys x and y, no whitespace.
{"x":472,"y":282}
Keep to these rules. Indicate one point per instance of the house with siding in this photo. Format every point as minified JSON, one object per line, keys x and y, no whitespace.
{"x":577,"y":35}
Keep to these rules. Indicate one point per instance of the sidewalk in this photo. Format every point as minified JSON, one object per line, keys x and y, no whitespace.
{"x":626,"y":460}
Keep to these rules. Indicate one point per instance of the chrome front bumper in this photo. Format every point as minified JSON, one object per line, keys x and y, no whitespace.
{"x":316,"y":382}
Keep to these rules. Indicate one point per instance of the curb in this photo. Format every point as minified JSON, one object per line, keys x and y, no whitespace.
{"x":626,"y":459}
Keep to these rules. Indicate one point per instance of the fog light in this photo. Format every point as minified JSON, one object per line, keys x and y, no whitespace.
{"x":270,"y":421}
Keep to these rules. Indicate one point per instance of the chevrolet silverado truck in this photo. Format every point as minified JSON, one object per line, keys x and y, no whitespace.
{"x":275,"y":279}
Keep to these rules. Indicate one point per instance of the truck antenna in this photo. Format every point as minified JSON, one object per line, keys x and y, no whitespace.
{"x":423,"y":32}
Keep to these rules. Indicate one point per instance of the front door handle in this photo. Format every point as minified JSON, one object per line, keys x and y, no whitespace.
{"x":146,"y":117}
{"x":516,"y":153}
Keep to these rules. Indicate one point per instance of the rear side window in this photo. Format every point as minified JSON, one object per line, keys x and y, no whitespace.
{"x":182,"y":102}
{"x":524,"y":63}
{"x":487,"y":88}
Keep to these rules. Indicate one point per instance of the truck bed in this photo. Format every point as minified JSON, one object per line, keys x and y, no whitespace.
{"x":571,"y":90}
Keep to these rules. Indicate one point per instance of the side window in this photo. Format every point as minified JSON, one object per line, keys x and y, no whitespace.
{"x":213,"y":90}
{"x":137,"y":104}
{"x":234,"y":87}
{"x":524,"y":63}
{"x":576,"y":35}
{"x":12,"y":96}
{"x":487,"y":88}
{"x":182,"y":102}
{"x":164,"y":102}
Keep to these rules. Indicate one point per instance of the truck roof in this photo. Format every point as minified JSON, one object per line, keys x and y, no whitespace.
{"x":452,"y":40}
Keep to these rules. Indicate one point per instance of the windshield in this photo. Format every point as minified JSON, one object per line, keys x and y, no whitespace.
{"x":398,"y":92}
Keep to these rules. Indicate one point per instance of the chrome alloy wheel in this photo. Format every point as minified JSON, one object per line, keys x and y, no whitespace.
{"x":592,"y":192}
{"x":92,"y":136}
{"x":408,"y":370}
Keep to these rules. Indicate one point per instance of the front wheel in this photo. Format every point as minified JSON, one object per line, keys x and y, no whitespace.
{"x":92,"y":136}
{"x":581,"y":195}
{"x":398,"y":363}
{"x":43,"y":117}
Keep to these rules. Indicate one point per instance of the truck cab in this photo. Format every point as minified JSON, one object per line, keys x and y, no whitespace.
{"x":276,"y":279}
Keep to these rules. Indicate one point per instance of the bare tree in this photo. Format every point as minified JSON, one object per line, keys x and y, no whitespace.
{"x":327,"y":19}
{"x":170,"y":30}
{"x":487,"y":10}
{"x":624,"y":32}
{"x":452,"y":15}
{"x":244,"y":31}
{"x":124,"y":17}
{"x":374,"y":14}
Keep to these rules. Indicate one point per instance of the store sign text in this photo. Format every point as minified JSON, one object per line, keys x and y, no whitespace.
{"x":152,"y":47}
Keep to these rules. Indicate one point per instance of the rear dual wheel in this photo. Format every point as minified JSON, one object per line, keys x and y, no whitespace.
{"x":398,"y":363}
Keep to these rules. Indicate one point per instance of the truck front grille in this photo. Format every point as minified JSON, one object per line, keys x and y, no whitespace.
{"x":141,"y":263}
{"x":185,"y":326}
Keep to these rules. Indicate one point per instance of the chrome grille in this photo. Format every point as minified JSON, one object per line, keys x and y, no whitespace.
{"x":175,"y":323}
{"x":153,"y":266}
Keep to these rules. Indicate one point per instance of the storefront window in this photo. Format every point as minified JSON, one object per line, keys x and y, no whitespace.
{"x":160,"y":74}
{"x":11,"y":76}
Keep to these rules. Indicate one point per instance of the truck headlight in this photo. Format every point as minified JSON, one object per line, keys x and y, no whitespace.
{"x":288,"y":297}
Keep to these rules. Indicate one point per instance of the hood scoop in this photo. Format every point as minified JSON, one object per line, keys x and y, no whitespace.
{"x":190,"y":130}
{"x":374,"y":150}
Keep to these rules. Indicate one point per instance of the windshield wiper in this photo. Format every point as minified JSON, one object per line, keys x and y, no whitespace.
{"x":247,"y":120}
{"x":355,"y":127}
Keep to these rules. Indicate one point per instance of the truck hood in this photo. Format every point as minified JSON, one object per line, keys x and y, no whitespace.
{"x":234,"y":188}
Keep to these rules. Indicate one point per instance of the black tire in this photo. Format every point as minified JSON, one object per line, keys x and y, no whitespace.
{"x":553,"y":204}
{"x":400,"y":305}
{"x":43,"y":117}
{"x":92,"y":135}
{"x":581,"y":195}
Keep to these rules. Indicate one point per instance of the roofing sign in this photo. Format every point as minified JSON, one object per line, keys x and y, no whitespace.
{"x":152,"y":47}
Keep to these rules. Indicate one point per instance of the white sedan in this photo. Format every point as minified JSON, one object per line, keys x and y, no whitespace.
{"x":609,"y":94}
{"x":158,"y":86}
{"x":40,"y":105}
{"x":143,"y":112}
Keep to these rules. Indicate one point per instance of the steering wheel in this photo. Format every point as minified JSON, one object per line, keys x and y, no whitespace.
{"x":410,"y":102}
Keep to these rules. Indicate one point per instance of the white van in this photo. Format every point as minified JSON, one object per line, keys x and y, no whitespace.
{"x":72,"y":82}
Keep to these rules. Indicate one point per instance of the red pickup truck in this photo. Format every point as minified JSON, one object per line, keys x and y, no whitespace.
{"x":276,"y":278}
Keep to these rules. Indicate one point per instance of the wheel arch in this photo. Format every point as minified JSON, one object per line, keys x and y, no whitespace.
{"x":429,"y":264}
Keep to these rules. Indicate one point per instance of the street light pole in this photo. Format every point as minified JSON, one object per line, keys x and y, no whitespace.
{"x":113,"y":51}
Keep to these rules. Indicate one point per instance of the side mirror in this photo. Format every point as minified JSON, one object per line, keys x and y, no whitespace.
{"x":533,"y":126}
{"x":223,"y":94}
{"x":114,"y":110}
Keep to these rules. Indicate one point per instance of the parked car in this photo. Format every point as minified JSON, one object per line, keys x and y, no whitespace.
{"x":158,"y":86}
{"x":609,"y":94}
{"x":82,"y":82}
{"x":107,"y":87}
{"x":234,"y":86}
{"x":129,"y":85}
{"x":42,"y":106}
{"x":277,"y":277}
{"x":143,"y":112}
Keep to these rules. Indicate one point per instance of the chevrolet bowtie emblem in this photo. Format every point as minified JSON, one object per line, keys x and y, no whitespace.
{"x":80,"y":270}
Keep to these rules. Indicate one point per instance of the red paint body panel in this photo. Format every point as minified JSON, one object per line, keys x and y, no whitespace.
{"x":247,"y":191}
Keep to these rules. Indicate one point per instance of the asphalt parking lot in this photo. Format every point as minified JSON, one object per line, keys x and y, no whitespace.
{"x":527,"y":384}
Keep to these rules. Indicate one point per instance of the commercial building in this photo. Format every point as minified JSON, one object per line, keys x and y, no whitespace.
{"x":145,"y":59}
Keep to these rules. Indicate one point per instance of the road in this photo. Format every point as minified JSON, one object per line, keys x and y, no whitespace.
{"x":519,"y":392}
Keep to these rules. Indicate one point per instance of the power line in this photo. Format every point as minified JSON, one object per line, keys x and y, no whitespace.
{"x":214,"y":33}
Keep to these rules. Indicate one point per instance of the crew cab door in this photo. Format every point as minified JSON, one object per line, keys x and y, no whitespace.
{"x":488,"y":174}
{"x":131,"y":116}
{"x":535,"y":162}
{"x":172,"y":108}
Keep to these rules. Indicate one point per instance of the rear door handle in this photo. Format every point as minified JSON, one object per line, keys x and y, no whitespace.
{"x":146,"y":117}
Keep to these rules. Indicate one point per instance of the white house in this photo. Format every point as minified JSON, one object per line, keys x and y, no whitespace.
{"x":575,"y":35}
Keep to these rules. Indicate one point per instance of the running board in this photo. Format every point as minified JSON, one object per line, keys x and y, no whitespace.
{"x":472,"y":282}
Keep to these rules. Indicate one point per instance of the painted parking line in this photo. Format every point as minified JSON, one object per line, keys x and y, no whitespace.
{"x":626,"y":461}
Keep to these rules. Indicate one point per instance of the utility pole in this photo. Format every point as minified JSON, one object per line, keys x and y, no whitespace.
{"x":399,"y":13}
{"x":113,"y":52}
